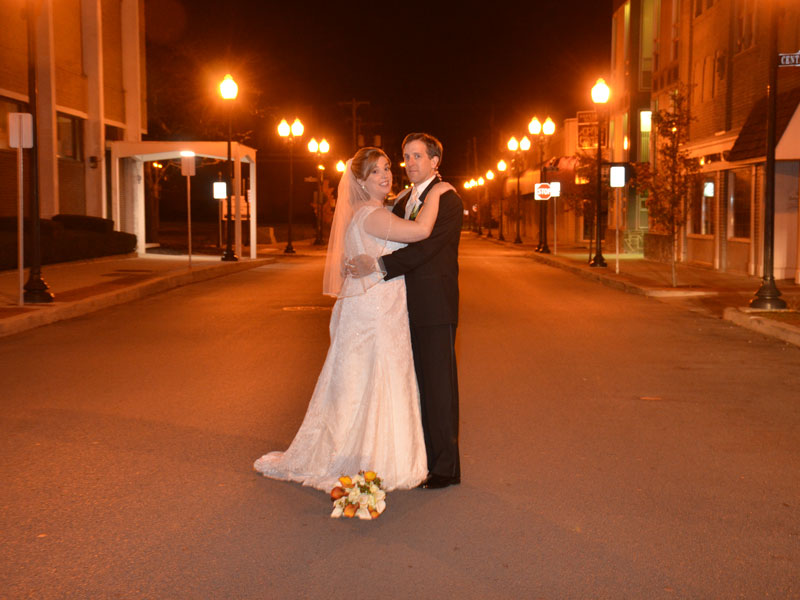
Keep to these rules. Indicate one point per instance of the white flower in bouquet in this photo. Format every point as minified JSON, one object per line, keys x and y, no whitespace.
{"x":359,"y":496}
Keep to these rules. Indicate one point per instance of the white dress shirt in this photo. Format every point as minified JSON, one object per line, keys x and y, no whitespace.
{"x":416,"y":192}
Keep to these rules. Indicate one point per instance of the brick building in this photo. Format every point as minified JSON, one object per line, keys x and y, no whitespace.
{"x":91,"y":89}
{"x":718,"y":50}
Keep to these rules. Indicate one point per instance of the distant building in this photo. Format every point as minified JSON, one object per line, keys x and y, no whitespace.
{"x":91,"y":90}
{"x":717,"y":49}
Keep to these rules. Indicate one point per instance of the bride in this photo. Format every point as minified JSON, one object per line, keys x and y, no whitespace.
{"x":364,"y":413}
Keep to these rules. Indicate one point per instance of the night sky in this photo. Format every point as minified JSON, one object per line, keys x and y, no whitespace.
{"x":455,"y":69}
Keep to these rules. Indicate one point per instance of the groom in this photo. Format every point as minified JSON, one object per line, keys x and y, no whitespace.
{"x":430,"y":267}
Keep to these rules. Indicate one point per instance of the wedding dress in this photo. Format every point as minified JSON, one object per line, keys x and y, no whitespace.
{"x":364,"y":413}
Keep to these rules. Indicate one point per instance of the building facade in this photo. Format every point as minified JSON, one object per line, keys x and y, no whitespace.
{"x":90,"y":76}
{"x":717,"y":51}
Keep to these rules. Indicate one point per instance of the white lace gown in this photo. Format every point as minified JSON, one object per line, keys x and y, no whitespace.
{"x":364,"y":413}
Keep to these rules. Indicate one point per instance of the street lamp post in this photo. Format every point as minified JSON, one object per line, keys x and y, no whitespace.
{"x":36,"y":290}
{"x":489,"y":177}
{"x":229,"y":90}
{"x":542,"y":133}
{"x":518,"y":148}
{"x":319,"y":149}
{"x":600,"y":94}
{"x":290,"y":133}
{"x":768,"y":296}
{"x":501,"y":166}
{"x":481,"y":182}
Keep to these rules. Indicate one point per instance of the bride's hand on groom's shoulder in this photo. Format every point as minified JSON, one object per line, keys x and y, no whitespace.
{"x":443,"y":187}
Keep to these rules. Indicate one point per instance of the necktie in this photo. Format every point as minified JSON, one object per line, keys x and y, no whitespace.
{"x":415,"y":206}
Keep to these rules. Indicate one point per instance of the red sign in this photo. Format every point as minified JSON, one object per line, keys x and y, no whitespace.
{"x":541,"y":191}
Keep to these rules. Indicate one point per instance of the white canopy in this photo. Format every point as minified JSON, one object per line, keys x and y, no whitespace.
{"x":129,"y":215}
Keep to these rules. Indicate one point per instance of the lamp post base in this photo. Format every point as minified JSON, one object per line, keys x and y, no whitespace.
{"x":37,"y":292}
{"x":289,"y":249}
{"x":229,"y":255}
{"x":598,"y":261}
{"x":768,"y":297}
{"x":545,"y":249}
{"x":518,"y":240}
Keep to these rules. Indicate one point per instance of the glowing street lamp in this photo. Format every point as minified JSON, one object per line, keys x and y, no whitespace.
{"x":600,"y":95}
{"x":229,"y":90}
{"x":518,"y":148}
{"x":542,"y":133}
{"x":340,"y":166}
{"x":290,"y":134}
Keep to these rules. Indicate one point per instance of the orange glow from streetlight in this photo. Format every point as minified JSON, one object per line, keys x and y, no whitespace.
{"x":228,"y":88}
{"x":600,"y":92}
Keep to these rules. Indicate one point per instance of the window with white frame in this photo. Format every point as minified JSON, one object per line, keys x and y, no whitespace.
{"x":740,"y":186}
{"x":701,"y":219}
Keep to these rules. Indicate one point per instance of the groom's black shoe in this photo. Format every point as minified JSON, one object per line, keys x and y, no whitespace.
{"x":435,"y":482}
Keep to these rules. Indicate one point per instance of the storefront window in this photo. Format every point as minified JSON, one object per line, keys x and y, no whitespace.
{"x":702,"y":215}
{"x":740,"y":183}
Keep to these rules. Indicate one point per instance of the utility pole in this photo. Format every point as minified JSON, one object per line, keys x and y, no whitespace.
{"x":354,"y":105}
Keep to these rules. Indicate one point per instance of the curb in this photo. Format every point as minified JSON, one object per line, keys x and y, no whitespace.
{"x":750,"y":319}
{"x":46,"y":314}
{"x":743,"y":317}
{"x":601,"y":276}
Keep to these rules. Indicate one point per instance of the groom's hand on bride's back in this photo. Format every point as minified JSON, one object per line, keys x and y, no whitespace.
{"x":362,"y":265}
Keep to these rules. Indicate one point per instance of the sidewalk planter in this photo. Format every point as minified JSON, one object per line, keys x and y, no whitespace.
{"x":657,"y":247}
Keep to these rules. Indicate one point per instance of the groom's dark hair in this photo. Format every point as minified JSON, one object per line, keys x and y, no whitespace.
{"x":432,"y":145}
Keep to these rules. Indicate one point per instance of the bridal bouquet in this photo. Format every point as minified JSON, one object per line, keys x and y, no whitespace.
{"x":358,"y":496}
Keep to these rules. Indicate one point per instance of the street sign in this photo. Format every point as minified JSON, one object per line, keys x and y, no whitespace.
{"x":616,"y":176}
{"x":555,"y":189}
{"x":310,"y":179}
{"x":587,"y":129}
{"x":789,"y":60}
{"x":541,"y":191}
{"x":220,"y":190}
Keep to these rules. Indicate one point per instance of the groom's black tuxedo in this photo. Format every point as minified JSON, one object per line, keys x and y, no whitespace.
{"x":430,"y":267}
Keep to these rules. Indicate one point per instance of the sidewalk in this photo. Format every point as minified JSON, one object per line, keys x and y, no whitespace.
{"x":722,"y":295}
{"x":86,"y":286}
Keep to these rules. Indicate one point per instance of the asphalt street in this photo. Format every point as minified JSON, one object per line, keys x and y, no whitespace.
{"x":613,"y":446}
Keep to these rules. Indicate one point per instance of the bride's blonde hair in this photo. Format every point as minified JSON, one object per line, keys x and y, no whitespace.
{"x":365,"y":159}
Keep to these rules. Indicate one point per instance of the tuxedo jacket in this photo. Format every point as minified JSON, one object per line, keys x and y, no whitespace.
{"x":430,"y":266}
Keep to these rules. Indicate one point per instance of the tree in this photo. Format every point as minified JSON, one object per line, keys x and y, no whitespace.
{"x":668,"y":180}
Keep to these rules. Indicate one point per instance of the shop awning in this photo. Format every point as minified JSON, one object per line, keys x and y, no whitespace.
{"x":752,"y":140}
